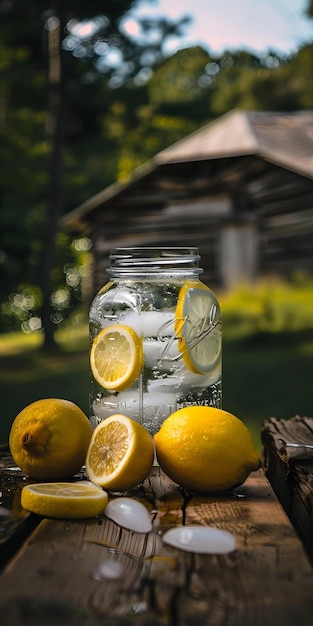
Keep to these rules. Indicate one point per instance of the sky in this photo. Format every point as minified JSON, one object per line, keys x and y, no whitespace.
{"x":253,"y":25}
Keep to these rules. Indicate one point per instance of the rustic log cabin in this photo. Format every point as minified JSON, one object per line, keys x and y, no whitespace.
{"x":239,"y":188}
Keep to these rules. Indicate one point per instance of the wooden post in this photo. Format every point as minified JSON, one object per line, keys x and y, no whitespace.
{"x":238,"y":253}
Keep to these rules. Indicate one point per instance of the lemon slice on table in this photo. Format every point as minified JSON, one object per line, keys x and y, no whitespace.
{"x":116,"y":357}
{"x":198,"y":327}
{"x":64,"y":499}
{"x":120,"y":453}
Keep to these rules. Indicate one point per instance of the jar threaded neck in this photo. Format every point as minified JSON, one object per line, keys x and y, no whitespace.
{"x":159,"y":262}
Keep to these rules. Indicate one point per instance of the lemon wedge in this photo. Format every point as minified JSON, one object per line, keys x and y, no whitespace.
{"x":64,"y":499}
{"x":120,"y":453}
{"x":198,"y":327}
{"x":116,"y":357}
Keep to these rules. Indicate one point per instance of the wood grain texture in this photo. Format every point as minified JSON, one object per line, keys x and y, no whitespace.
{"x":266,"y":580}
{"x":288,"y":465}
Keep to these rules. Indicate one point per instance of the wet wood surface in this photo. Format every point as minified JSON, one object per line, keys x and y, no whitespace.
{"x":288,"y":464}
{"x":56,"y":574}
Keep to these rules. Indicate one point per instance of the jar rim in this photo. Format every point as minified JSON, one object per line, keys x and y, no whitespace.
{"x":158,"y":260}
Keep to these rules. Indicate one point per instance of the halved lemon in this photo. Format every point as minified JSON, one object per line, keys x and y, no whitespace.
{"x":116,"y":357}
{"x":198,"y":327}
{"x":64,"y":499}
{"x":120,"y":453}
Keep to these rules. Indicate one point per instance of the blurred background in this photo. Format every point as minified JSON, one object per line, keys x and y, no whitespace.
{"x":140,"y":123}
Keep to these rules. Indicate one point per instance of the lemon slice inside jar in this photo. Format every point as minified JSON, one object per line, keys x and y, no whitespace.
{"x":198,"y":327}
{"x":116,"y":357}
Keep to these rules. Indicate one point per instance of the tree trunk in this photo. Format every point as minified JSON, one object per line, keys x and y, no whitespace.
{"x":54,"y":193}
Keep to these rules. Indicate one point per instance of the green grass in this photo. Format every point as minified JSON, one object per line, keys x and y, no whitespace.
{"x":264,"y":375}
{"x":268,"y":376}
{"x":27,"y":374}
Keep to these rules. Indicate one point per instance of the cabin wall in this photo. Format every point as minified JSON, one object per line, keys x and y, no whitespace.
{"x":271,"y":232}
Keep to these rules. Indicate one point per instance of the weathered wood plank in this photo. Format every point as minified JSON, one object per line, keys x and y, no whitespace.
{"x":288,"y":465}
{"x":267,"y":579}
{"x":15,"y":522}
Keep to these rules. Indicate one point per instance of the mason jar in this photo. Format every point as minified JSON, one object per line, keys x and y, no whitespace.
{"x":155,"y":337}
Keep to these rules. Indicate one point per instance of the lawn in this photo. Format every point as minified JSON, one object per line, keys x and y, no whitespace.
{"x":268,"y":377}
{"x":27,"y":374}
{"x":264,"y":375}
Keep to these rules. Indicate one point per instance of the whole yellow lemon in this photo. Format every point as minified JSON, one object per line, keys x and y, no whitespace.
{"x":206,"y":449}
{"x":49,"y":439}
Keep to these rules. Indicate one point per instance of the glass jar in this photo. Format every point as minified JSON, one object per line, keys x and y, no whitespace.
{"x":155,"y":337}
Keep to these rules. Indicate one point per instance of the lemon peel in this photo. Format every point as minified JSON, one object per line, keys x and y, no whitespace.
{"x":206,"y":449}
{"x":49,"y":439}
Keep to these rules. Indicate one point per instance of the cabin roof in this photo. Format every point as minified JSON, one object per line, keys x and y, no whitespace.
{"x":281,"y":139}
{"x":284,"y":138}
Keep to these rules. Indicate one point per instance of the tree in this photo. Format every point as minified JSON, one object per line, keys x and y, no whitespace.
{"x":309,"y":10}
{"x":61,"y":49}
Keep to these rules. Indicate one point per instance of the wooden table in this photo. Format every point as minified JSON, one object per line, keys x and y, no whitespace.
{"x":288,"y":465}
{"x":52,"y":569}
